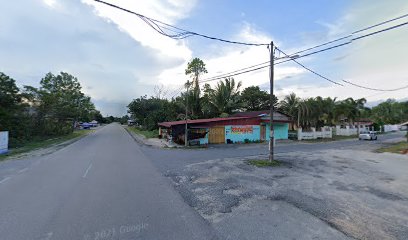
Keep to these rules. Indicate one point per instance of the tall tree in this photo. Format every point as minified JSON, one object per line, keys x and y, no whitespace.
{"x":290,"y":105}
{"x":254,"y":99}
{"x":58,"y":103}
{"x":390,"y":112}
{"x":194,"y":69}
{"x":350,"y":109}
{"x":150,"y":111}
{"x":225,"y":97}
{"x":13,"y":117}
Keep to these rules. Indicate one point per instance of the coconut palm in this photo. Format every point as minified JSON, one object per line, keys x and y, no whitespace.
{"x":290,"y":106}
{"x":350,"y":109}
{"x":225,"y":97}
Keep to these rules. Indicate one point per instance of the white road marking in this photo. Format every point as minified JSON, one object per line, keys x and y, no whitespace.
{"x":23,"y":170}
{"x":87,"y":170}
{"x":5,"y":179}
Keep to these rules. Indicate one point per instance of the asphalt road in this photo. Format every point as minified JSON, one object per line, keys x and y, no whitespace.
{"x":100,"y":187}
{"x":176,"y":159}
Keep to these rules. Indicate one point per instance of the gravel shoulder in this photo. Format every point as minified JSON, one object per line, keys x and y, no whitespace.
{"x":327,"y":194}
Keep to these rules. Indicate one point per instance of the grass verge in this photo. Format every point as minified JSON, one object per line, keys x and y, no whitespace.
{"x":43,"y":143}
{"x":335,"y":138}
{"x":146,"y":133}
{"x":401,"y":147}
{"x":263,"y":163}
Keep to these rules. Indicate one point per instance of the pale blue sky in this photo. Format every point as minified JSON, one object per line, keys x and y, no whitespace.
{"x":117,"y":57}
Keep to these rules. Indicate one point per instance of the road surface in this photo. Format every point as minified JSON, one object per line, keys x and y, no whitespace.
{"x":176,"y":159}
{"x":101,"y":187}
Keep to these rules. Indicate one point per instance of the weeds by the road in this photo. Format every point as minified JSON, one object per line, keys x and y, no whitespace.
{"x":145,"y":133}
{"x":401,"y":147}
{"x":264,"y":163}
{"x":43,"y":143}
{"x":335,"y":138}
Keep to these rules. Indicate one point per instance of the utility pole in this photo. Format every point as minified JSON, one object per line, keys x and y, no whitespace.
{"x":271,"y":133}
{"x":186,"y":129}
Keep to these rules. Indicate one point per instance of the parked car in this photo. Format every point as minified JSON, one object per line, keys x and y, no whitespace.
{"x":86,"y":125}
{"x":371,"y":135}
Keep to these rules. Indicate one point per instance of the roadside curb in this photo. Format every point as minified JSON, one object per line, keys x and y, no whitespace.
{"x":137,"y":137}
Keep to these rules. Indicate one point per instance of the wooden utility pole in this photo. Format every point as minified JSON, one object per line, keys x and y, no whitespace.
{"x":186,"y":127}
{"x":271,"y":133}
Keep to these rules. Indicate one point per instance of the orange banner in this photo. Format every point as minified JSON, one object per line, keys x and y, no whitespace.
{"x":242,"y":130}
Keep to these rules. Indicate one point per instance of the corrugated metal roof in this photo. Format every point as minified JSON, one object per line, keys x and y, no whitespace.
{"x":169,"y":124}
{"x":251,"y":114}
{"x":259,"y":114}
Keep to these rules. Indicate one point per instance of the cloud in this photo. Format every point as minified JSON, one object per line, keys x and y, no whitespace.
{"x":378,"y":61}
{"x":117,"y":57}
{"x":223,"y":59}
{"x":112,"y":63}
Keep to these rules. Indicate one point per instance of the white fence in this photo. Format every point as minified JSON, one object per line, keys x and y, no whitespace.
{"x":346,"y":131}
{"x":326,"y":132}
{"x":4,"y":142}
{"x":391,"y":128}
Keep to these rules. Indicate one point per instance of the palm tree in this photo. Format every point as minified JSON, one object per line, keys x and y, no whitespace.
{"x":290,"y":106}
{"x":350,"y":109}
{"x":304,"y":110}
{"x":329,"y":115}
{"x":225,"y":97}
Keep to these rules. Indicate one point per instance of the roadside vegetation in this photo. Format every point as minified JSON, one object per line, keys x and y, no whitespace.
{"x":39,"y":143}
{"x":35,"y":114}
{"x":145,"y":133}
{"x":318,"y":112}
{"x":334,"y":138}
{"x":227,"y":97}
{"x":401,"y":147}
{"x":263,"y":163}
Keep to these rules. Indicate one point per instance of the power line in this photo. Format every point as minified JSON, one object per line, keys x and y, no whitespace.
{"x":310,"y":70}
{"x":251,"y":68}
{"x":177,"y":91}
{"x":351,"y":41}
{"x":376,"y":89}
{"x":229,"y":73}
{"x":351,"y":34}
{"x":315,"y":52}
{"x":356,"y":85}
{"x":180,"y":33}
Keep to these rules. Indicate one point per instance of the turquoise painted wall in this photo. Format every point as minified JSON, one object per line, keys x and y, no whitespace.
{"x":281,"y":130}
{"x":204,"y":141}
{"x":233,"y":133}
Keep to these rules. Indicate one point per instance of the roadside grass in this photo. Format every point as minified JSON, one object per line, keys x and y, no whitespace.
{"x":146,"y":133}
{"x":263,"y":163}
{"x":44,"y":143}
{"x":401,"y":147}
{"x":335,"y":138}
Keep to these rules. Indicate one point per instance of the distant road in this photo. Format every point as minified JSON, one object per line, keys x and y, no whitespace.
{"x":101,"y":187}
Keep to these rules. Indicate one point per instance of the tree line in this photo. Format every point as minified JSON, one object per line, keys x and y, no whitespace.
{"x":226,"y":98}
{"x":318,"y":112}
{"x":45,"y":111}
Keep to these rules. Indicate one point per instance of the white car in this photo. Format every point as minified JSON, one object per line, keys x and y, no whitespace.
{"x":367,"y":136}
